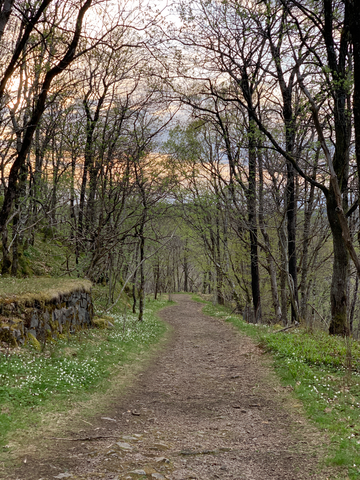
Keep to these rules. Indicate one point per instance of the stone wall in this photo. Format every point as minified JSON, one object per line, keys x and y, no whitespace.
{"x":45,"y":320}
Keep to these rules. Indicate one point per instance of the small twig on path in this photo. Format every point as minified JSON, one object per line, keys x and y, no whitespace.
{"x":87,"y":422}
{"x":84,"y":438}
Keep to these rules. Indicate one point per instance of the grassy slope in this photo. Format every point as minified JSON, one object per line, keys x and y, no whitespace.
{"x":44,"y":288}
{"x":313,"y":365}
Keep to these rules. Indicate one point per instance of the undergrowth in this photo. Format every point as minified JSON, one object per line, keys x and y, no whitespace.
{"x":313,"y":365}
{"x":32,"y":381}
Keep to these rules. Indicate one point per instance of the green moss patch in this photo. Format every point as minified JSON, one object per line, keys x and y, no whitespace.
{"x":26,"y":291}
{"x":102,"y":322}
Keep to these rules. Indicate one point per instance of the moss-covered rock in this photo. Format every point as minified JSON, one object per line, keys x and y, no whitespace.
{"x":45,"y":319}
{"x":102,"y":322}
{"x":7,"y":335}
{"x":33,"y":341}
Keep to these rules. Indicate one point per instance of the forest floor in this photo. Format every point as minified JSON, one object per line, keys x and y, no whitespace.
{"x":207,"y":406}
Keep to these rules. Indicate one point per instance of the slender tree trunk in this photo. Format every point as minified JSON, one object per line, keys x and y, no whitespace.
{"x":354,"y":22}
{"x":21,"y":192}
{"x":251,"y":194}
{"x":134,"y":279}
{"x":286,"y":83}
{"x":5,"y":11}
{"x":354,"y":15}
{"x":15,"y":246}
{"x":142,"y":275}
{"x":177,"y":278}
{"x":205,"y":282}
{"x":90,"y":125}
{"x":340,"y":276}
{"x":6,"y":262}
{"x":218,"y":260}
{"x":353,"y":304}
{"x":291,"y":206}
{"x":215,"y":257}
{"x":309,"y":209}
{"x":288,"y":277}
{"x":186,"y":268}
{"x":269,"y":258}
{"x":72,"y":188}
{"x":157,"y":279}
{"x":82,"y":197}
{"x":291,"y":233}
{"x":55,"y":168}
{"x":342,"y":126}
{"x":93,"y":181}
{"x":36,"y":182}
{"x":284,"y":298}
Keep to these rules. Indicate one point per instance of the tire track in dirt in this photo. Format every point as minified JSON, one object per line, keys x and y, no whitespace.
{"x":205,"y":409}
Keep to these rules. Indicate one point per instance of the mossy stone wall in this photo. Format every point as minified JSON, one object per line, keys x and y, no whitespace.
{"x":45,"y":320}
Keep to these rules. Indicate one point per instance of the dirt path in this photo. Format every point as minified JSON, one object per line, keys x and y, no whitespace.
{"x":204,"y":409}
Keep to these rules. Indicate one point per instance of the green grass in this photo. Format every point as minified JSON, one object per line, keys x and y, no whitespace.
{"x":32,"y":382}
{"x":52,"y":258}
{"x":45,"y":288}
{"x":314,"y":365}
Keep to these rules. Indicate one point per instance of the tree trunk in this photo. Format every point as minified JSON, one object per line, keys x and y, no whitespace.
{"x":93,"y":181}
{"x":205,"y":282}
{"x":290,"y":197}
{"x":291,"y":233}
{"x":251,"y":200}
{"x":269,"y":258}
{"x":186,"y":268}
{"x":6,"y":262}
{"x":5,"y":11}
{"x":21,"y":192}
{"x":354,"y":22}
{"x":288,"y":277}
{"x":134,"y":279}
{"x":218,"y":260}
{"x":286,"y":87}
{"x":156,"y":279}
{"x":283,"y":292}
{"x":142,"y":276}
{"x":353,"y":304}
{"x":55,"y":172}
{"x":90,"y":126}
{"x":340,"y":276}
{"x":342,"y":123}
{"x":309,"y":208}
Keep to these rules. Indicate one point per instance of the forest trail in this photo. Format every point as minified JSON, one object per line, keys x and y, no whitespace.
{"x":206,"y":408}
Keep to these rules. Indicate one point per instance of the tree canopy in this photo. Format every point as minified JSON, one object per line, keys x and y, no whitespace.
{"x":212,"y":147}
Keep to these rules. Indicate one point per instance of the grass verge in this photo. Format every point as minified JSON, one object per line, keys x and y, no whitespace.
{"x":313,"y":365}
{"x":39,"y":288}
{"x":34,"y":385}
